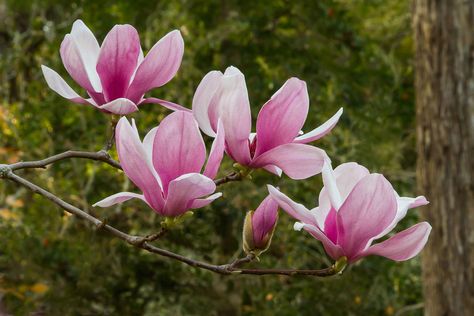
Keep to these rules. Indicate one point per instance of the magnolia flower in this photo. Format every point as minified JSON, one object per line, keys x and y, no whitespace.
{"x":115,"y":75}
{"x":356,"y":208}
{"x":259,"y":226}
{"x":167,"y":165}
{"x":277,"y":144}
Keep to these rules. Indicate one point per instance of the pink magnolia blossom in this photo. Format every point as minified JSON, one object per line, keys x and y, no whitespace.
{"x":277,"y":144}
{"x":259,"y":226}
{"x":167,"y":165}
{"x":356,"y":208}
{"x":115,"y":75}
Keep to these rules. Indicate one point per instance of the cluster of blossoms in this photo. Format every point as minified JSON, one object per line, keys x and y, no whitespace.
{"x":169,"y":166}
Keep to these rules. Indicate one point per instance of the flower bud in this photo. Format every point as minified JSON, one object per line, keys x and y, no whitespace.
{"x":259,"y":226}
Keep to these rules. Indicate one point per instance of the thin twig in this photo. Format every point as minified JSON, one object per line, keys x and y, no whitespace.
{"x":110,"y":142}
{"x":101,"y":155}
{"x":234,"y":176}
{"x":6,"y":171}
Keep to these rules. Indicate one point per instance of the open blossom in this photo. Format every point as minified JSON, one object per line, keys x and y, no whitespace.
{"x":115,"y":75}
{"x":356,"y":208}
{"x":167,"y":165}
{"x":277,"y":144}
{"x":259,"y":226}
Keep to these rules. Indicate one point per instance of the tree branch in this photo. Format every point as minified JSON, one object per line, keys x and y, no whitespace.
{"x":6,"y":171}
{"x":234,"y":176}
{"x":101,"y":155}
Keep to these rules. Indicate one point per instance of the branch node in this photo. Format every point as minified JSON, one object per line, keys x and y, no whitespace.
{"x":5,"y":171}
{"x":101,"y":224}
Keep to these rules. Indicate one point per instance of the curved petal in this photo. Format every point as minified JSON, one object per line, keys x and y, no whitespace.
{"x":136,"y":165}
{"x":58,"y":85}
{"x":178,"y":147}
{"x":202,"y":99}
{"x":184,"y":190}
{"x":298,"y":161}
{"x":273,"y":169}
{"x":320,"y":131}
{"x":296,"y":210}
{"x":119,"y":198}
{"x":403,"y":205}
{"x":74,"y":63}
{"x":283,"y":116}
{"x":402,"y":246}
{"x":198,"y":203}
{"x":333,"y":250}
{"x":167,"y":104}
{"x":159,"y":66}
{"x":231,"y":104}
{"x":149,"y":140}
{"x":118,"y":60}
{"x":88,"y":49}
{"x":119,"y":106}
{"x":367,"y":211}
{"x":216,"y":154}
{"x":338,"y":183}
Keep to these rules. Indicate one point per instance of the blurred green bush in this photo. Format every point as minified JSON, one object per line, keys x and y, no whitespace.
{"x":355,"y":54}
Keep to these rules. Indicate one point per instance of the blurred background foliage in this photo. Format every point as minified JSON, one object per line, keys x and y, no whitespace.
{"x":355,"y":54}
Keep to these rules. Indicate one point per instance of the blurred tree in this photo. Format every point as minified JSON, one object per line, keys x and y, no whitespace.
{"x":445,"y":113}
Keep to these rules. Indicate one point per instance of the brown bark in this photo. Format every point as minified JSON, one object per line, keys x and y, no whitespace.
{"x":444,"y":39}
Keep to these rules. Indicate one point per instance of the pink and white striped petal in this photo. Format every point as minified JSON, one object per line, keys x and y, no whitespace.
{"x":321,"y":130}
{"x":119,"y":198}
{"x":283,"y":116}
{"x":159,"y":66}
{"x":298,"y":161}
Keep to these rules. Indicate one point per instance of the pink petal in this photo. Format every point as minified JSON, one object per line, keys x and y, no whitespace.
{"x":273,"y":169}
{"x":402,"y":246}
{"x":298,"y":161}
{"x":58,"y":85}
{"x":120,"y":106}
{"x":231,"y":104}
{"x":283,"y":116}
{"x":167,"y":104}
{"x":74,"y":63}
{"x":159,"y":66}
{"x":338,"y":184}
{"x":118,"y":60}
{"x":202,"y":99}
{"x":184,"y":190}
{"x":136,"y":164}
{"x":263,"y":220}
{"x":148,"y":142}
{"x":320,"y":131}
{"x":330,"y":225}
{"x":178,"y":147}
{"x":198,"y":203}
{"x":403,"y":205}
{"x":88,"y":49}
{"x":216,"y":154}
{"x":367,"y":211}
{"x":296,"y":210}
{"x":333,"y":250}
{"x":118,"y":198}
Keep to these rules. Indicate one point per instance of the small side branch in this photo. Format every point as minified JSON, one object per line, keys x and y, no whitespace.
{"x":234,"y":176}
{"x":101,"y":155}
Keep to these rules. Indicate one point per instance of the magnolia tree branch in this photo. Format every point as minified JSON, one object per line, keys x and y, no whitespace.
{"x":143,"y":242}
{"x":101,"y":155}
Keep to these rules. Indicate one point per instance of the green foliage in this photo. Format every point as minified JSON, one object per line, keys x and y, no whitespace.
{"x":355,"y":54}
